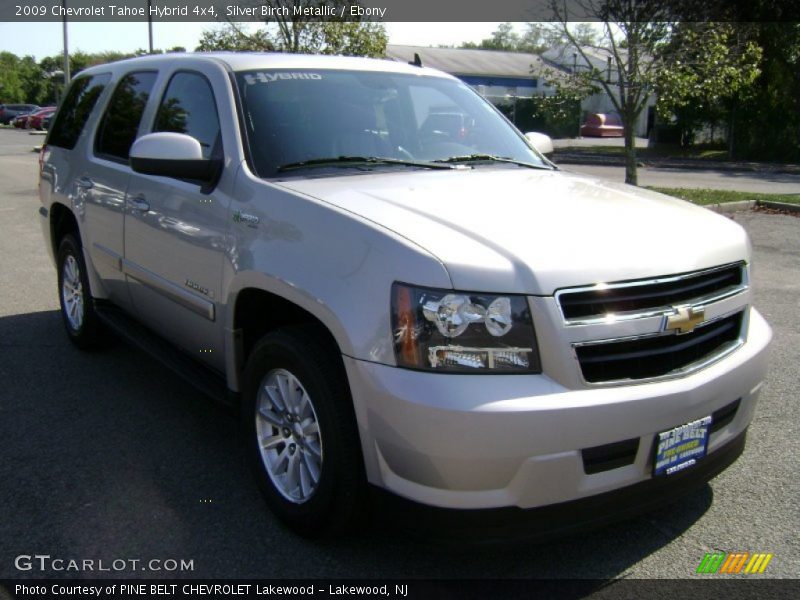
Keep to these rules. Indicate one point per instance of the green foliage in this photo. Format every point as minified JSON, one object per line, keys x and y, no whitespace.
{"x":351,"y":38}
{"x":537,"y":37}
{"x":705,"y":197}
{"x":632,"y":33}
{"x":768,"y":120}
{"x":744,"y":75}
{"x":233,"y":39}
{"x":585,"y":34}
{"x":11,"y":89}
{"x":299,"y":34}
{"x":708,"y":69}
{"x":503,"y":38}
{"x":26,"y":81}
{"x":557,"y":116}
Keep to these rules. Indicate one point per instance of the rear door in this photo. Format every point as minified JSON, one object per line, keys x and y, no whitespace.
{"x":105,"y":176}
{"x":175,"y":230}
{"x":62,"y":161}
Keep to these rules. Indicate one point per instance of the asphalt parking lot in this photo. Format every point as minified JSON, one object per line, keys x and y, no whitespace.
{"x":109,"y":455}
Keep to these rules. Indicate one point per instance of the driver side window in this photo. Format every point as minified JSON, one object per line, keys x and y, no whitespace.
{"x":188,"y":106}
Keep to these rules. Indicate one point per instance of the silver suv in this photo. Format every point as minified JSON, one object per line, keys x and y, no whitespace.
{"x":398,"y":289}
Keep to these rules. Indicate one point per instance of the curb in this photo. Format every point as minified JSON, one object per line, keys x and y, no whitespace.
{"x":784,"y":206}
{"x":732,"y":207}
{"x":614,"y":161}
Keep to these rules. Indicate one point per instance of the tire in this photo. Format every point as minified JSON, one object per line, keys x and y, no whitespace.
{"x":77,"y":308}
{"x":312,"y":434}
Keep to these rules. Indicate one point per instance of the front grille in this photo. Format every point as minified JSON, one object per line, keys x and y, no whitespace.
{"x":640,"y":296}
{"x":659,"y":355}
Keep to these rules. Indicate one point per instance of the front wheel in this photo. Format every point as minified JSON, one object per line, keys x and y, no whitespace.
{"x":300,"y":428}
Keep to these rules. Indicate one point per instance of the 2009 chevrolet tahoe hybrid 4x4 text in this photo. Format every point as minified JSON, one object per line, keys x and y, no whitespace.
{"x":398,"y":287}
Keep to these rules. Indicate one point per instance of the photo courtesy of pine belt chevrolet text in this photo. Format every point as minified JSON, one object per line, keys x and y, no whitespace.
{"x":398,"y":289}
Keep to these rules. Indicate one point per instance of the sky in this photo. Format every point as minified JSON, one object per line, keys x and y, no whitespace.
{"x":45,"y":39}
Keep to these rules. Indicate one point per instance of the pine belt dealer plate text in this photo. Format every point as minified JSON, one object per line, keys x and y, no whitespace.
{"x":681,"y":447}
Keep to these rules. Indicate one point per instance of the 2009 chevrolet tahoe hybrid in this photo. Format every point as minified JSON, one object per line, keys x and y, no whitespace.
{"x":398,"y":288}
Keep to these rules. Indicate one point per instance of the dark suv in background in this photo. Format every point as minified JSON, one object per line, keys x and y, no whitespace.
{"x":9,"y":111}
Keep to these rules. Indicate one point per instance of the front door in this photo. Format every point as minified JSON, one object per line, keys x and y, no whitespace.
{"x":175,"y":231}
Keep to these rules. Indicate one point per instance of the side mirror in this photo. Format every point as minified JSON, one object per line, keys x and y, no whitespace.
{"x":540,"y":142}
{"x":172,"y":155}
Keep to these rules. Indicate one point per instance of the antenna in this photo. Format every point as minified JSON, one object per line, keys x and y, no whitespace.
{"x":417,"y":62}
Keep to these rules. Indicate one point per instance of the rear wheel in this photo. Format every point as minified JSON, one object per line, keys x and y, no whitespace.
{"x":77,"y":309}
{"x":301,"y":434}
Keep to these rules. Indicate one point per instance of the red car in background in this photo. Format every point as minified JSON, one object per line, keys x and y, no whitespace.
{"x":602,"y":125}
{"x":36,"y":119}
{"x":20,"y":120}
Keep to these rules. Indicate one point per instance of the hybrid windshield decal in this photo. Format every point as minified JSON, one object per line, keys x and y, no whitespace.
{"x":263,"y":77}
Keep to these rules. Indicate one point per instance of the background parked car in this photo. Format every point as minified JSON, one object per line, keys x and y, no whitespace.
{"x":36,"y":119}
{"x":21,"y":120}
{"x":602,"y":125}
{"x":10,"y":111}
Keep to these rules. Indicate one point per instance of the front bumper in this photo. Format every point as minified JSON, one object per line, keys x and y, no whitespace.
{"x":555,"y":520}
{"x":490,"y":441}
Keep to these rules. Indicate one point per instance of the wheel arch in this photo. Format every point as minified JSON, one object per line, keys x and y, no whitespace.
{"x":258,"y":304}
{"x":62,"y":222}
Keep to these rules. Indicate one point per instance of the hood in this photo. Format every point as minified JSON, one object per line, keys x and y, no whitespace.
{"x":515,"y":230}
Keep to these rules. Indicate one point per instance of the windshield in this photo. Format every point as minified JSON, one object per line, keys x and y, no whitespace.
{"x":306,"y":117}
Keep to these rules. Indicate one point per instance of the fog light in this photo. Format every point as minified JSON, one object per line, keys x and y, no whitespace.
{"x":478,"y":358}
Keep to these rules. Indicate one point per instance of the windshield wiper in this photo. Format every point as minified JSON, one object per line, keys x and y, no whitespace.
{"x":490,"y":158}
{"x":356,"y":160}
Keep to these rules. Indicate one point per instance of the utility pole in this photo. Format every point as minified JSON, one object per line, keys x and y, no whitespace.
{"x":150,"y":25}
{"x":66,"y":47}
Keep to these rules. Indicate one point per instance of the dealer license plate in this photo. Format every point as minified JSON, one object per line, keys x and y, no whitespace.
{"x":680,"y":448}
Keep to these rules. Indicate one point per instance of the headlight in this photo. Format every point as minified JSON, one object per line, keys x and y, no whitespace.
{"x":461,"y":332}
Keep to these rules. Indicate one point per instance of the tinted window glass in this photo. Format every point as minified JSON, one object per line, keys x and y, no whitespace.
{"x":120,"y":123}
{"x":296,"y":116}
{"x":188,"y":107}
{"x":75,"y":110}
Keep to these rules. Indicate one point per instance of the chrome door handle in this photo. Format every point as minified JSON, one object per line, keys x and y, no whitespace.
{"x":139,"y":203}
{"x":85,"y":183}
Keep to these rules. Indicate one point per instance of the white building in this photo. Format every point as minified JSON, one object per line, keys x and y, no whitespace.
{"x":494,"y":74}
{"x":567,"y":58}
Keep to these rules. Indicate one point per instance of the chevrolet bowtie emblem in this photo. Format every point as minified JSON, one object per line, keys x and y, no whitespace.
{"x":684,"y":320}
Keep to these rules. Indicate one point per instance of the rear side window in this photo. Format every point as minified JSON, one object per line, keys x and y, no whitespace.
{"x":75,"y":110}
{"x":188,"y":107}
{"x":120,"y":123}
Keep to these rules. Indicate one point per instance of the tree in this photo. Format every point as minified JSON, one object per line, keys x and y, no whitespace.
{"x":641,"y":25}
{"x":503,"y":38}
{"x":537,"y":38}
{"x":585,"y":34}
{"x":352,"y":38}
{"x":11,"y":89}
{"x":298,"y":32}
{"x":232,"y":38}
{"x":34,"y":82}
{"x":772,"y":128}
{"x":712,"y":69}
